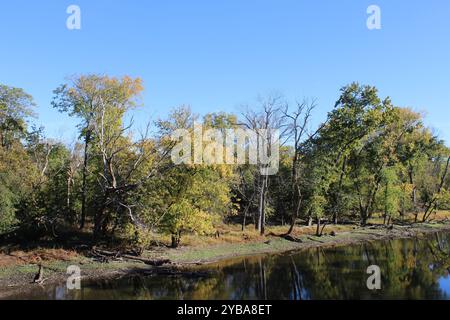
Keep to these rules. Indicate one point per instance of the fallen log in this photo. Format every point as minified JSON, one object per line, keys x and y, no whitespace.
{"x":291,"y":238}
{"x":117,"y":255}
{"x":312,"y":239}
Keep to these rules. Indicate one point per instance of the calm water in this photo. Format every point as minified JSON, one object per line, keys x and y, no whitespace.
{"x":411,"y":269}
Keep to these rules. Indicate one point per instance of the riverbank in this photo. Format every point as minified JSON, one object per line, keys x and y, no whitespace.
{"x":17,"y":269}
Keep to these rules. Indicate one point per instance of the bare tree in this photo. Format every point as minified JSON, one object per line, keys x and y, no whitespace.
{"x":264,"y":121}
{"x":297,"y":129}
{"x":122,"y":158}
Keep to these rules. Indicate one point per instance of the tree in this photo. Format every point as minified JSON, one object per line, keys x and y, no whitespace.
{"x":74,"y":162}
{"x":352,"y":133}
{"x":193,"y":197}
{"x":296,"y":129}
{"x":198,"y":200}
{"x":15,"y":108}
{"x":367,"y":157}
{"x":412,"y":152}
{"x":92,"y":98}
{"x":391,"y":194}
{"x":264,"y":122}
{"x":16,"y":169}
{"x":443,"y":169}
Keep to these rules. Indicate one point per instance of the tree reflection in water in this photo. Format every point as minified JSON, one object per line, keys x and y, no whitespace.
{"x":410,"y":269}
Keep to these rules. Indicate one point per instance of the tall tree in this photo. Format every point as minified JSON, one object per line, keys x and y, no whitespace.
{"x":16,"y":106}
{"x":16,"y":169}
{"x":264,"y":121}
{"x":85,"y":97}
{"x":357,"y":119}
{"x":297,"y":123}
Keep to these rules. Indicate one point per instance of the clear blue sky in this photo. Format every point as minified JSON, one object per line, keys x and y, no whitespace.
{"x":217,"y":55}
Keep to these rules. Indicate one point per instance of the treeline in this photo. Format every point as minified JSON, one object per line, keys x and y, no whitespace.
{"x":367,"y":157}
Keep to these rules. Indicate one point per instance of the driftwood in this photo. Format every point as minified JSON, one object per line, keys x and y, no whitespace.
{"x":312,"y":239}
{"x":39,"y":277}
{"x":118,"y":255}
{"x":291,"y":238}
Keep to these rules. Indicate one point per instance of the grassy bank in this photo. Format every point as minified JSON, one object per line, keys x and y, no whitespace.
{"x":18,"y":268}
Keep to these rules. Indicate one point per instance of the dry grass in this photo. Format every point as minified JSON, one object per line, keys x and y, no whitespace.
{"x":436,"y":216}
{"x":233,"y":234}
{"x":36,"y":256}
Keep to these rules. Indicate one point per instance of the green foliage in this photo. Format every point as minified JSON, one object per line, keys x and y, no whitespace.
{"x":316,"y":205}
{"x":391,"y":192}
{"x":198,"y":199}
{"x":15,"y":108}
{"x":8,"y":210}
{"x":369,"y":156}
{"x":139,"y":237}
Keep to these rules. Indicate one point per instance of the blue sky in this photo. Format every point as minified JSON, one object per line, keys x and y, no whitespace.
{"x":218,"y":55}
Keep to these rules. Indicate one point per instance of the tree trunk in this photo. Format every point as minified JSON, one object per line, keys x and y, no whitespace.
{"x":176,"y":239}
{"x":291,"y":228}
{"x":414,"y":193}
{"x":263,"y":215}
{"x":99,"y":220}
{"x":364,"y":216}
{"x":98,"y":223}
{"x":297,"y":210}
{"x":310,"y":221}
{"x":262,"y":201}
{"x":69,"y":190}
{"x":338,"y":195}
{"x":244,"y":220}
{"x":85,"y":173}
{"x":260,"y":209}
{"x":263,"y":226}
{"x":432,"y":205}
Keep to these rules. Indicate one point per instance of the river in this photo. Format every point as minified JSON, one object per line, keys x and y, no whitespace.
{"x":410,"y":269}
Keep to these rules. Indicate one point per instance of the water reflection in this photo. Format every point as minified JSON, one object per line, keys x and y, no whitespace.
{"x":410,"y":269}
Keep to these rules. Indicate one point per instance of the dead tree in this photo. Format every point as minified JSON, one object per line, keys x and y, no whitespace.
{"x":264,"y":122}
{"x":297,"y":126}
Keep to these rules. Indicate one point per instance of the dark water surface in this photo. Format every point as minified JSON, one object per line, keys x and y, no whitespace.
{"x":410,"y":269}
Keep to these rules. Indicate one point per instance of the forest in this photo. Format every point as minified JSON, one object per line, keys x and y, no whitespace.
{"x":117,"y":182}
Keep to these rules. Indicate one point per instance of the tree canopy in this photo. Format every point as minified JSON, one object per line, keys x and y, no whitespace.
{"x":367,"y":158}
